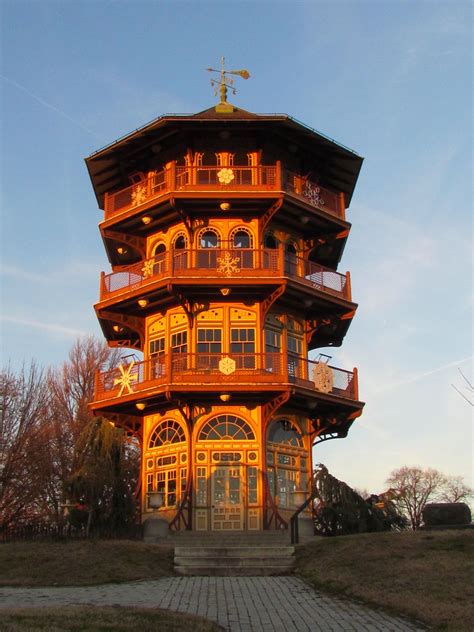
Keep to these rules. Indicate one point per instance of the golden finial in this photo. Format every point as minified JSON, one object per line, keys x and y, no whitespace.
{"x":221,"y":85}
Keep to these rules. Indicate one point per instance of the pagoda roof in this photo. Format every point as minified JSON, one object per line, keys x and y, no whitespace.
{"x":104,"y":165}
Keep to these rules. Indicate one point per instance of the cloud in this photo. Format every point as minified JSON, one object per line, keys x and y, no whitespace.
{"x":53,"y":328}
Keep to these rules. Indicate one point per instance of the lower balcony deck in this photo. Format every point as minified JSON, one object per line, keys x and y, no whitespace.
{"x":244,"y":376}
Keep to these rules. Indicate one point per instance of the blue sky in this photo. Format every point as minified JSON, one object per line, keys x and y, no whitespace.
{"x":391,"y":80}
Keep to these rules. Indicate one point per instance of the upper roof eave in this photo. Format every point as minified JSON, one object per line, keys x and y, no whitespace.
{"x":95,"y":162}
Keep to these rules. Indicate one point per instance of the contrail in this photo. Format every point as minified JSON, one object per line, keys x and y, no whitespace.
{"x":420,"y":376}
{"x":49,"y":105}
{"x":52,"y":327}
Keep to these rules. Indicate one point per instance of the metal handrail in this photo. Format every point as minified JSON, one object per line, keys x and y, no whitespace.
{"x":176,"y":178}
{"x":230,"y":262}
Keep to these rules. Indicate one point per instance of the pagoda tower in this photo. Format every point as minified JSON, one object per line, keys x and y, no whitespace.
{"x":224,"y":230}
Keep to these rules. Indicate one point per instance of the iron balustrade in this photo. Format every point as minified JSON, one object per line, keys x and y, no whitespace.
{"x":225,"y":263}
{"x":210,"y":178}
{"x":223,"y":370}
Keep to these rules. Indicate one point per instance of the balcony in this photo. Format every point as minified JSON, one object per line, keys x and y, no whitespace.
{"x":228,"y":264}
{"x":251,"y":372}
{"x":221,"y":180}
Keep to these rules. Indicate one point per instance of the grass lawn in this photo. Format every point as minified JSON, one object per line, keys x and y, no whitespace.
{"x":425,"y":575}
{"x":100,"y":619}
{"x":81,"y":562}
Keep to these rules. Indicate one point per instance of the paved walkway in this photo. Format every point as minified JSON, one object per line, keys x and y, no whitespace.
{"x":238,"y":604}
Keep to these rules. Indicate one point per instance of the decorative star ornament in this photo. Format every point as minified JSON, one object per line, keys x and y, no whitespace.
{"x":227,"y":366}
{"x":126,"y":378}
{"x":139,"y":194}
{"x":323,"y":377}
{"x":225,"y":175}
{"x":228,"y":265}
{"x":148,"y":268}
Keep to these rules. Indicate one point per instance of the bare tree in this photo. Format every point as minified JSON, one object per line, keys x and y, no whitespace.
{"x":412,"y":487}
{"x":24,"y":404}
{"x":72,"y":389}
{"x":455,"y":490}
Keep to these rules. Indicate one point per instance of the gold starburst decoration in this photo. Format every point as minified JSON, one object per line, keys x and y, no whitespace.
{"x":323,"y":377}
{"x":139,"y":194}
{"x":126,"y":378}
{"x":227,"y":366}
{"x":228,"y":265}
{"x":148,"y":268}
{"x":225,"y":175}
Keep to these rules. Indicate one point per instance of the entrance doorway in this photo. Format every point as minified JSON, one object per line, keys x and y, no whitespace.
{"x":227,"y":509}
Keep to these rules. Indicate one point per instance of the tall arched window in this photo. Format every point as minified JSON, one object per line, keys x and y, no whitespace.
{"x":226,"y":428}
{"x":166,"y":470}
{"x":159,"y":259}
{"x":208,"y":242}
{"x":287,"y":461}
{"x":242,"y":241}
{"x":180,"y":253}
{"x":270,"y":253}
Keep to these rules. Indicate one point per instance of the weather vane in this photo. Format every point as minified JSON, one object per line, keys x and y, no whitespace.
{"x":224,"y":82}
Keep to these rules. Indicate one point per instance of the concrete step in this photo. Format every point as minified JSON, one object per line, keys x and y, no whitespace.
{"x":242,"y":571}
{"x":261,"y":552}
{"x":234,"y":562}
{"x":228,"y":560}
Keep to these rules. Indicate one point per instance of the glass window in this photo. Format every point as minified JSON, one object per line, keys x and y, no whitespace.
{"x":242,"y":347}
{"x":166,"y":432}
{"x":283,"y":431}
{"x":201,"y":487}
{"x":209,"y":239}
{"x":252,"y":485}
{"x":226,"y":427}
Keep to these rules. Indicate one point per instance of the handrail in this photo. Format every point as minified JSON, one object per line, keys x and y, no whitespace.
{"x":230,"y":262}
{"x":294,"y":527}
{"x":176,"y":178}
{"x":269,"y":505}
{"x":235,"y":368}
{"x":186,"y":499}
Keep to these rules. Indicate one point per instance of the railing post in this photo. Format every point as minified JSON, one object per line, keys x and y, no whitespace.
{"x":348,"y":288}
{"x":106,"y":203}
{"x":355,"y":381}
{"x":342,"y":205}
{"x":172,"y":184}
{"x":278,"y":179}
{"x":281,"y":259}
{"x":102,"y":285}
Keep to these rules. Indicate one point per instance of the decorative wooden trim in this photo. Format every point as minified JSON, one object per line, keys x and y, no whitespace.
{"x":269,"y":301}
{"x":267,"y":216}
{"x":132,"y":322}
{"x":136,"y":242}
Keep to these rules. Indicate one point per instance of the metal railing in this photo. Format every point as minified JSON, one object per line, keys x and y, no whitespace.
{"x":176,"y":178}
{"x":225,"y":263}
{"x":224,"y":370}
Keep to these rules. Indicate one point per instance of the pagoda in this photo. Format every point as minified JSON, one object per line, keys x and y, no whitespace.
{"x":224,"y":231}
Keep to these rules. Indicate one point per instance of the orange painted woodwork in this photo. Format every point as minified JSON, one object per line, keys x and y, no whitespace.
{"x":224,"y":230}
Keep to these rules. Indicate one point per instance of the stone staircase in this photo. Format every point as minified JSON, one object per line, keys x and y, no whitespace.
{"x":232,"y":554}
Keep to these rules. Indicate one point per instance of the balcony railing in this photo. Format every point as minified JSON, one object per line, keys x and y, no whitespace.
{"x":225,"y":263}
{"x":220,"y":179}
{"x":225,"y":371}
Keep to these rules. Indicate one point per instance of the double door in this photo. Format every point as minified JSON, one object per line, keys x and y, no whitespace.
{"x":227,"y":506}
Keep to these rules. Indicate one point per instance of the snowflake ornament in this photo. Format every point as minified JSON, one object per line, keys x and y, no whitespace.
{"x":228,"y":265}
{"x":126,"y":378}
{"x":323,"y":377}
{"x":227,"y":366}
{"x":139,"y":195}
{"x":225,"y":175}
{"x":312,"y":194}
{"x":148,"y":268}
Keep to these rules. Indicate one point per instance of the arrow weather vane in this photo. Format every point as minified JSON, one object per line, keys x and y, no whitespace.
{"x":225,"y":81}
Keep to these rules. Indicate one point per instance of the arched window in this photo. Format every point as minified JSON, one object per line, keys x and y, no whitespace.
{"x":287,"y":462}
{"x":180,"y":253}
{"x":283,"y":431}
{"x":270,"y":252}
{"x":166,"y":462}
{"x":165,"y":433}
{"x":242,"y":239}
{"x":159,"y":259}
{"x":291,"y":260}
{"x":208,"y":242}
{"x":226,"y":428}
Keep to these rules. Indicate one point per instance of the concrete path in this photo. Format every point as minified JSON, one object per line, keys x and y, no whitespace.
{"x":238,"y":604}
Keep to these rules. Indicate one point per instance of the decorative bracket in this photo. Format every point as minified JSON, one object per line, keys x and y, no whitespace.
{"x":267,"y":216}
{"x":269,"y":300}
{"x":188,"y":224}
{"x":273,"y":405}
{"x":191,"y":309}
{"x":131,"y":322}
{"x":136,"y":242}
